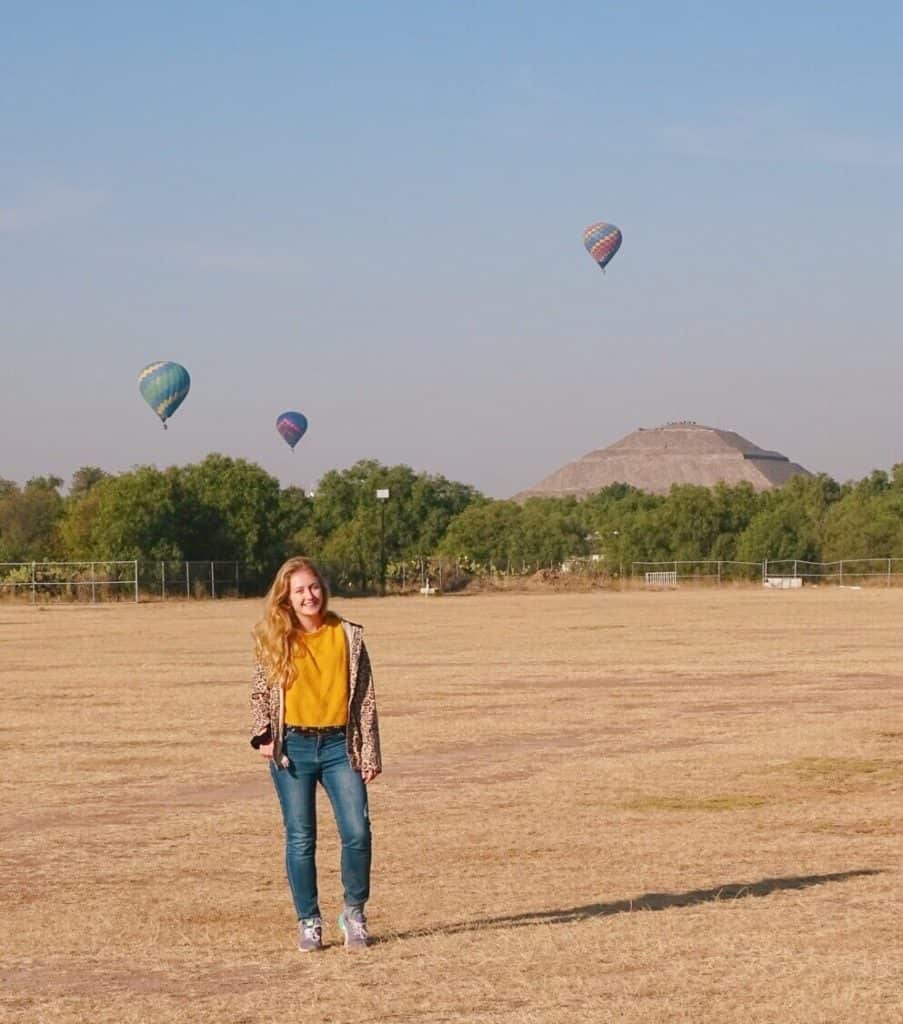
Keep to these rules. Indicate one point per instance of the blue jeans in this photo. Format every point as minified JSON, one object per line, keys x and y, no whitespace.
{"x":322,"y":759}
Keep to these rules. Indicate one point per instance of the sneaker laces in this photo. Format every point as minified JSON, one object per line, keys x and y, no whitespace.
{"x":312,"y":928}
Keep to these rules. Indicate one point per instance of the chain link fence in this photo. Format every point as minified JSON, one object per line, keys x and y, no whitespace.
{"x":95,"y":581}
{"x":784,"y":573}
{"x":117,"y":580}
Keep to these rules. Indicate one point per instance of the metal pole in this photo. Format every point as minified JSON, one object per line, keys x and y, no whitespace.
{"x":93,"y":586}
{"x":382,"y":496}
{"x":888,"y":572}
{"x":136,"y":581}
{"x":34,"y":585}
{"x":794,"y":568}
{"x":719,"y":572}
{"x":187,"y":580}
{"x":765,"y":570}
{"x":841,"y":572}
{"x":382,"y":548}
{"x":162,"y":580}
{"x":237,"y":584}
{"x":212,"y":582}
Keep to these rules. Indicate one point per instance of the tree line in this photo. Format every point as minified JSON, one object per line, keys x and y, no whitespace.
{"x":230,"y":509}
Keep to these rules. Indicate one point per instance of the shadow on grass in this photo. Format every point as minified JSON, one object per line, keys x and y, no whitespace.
{"x":648,"y":901}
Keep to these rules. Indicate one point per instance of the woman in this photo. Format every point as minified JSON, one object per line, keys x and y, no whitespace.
{"x":315,"y":721}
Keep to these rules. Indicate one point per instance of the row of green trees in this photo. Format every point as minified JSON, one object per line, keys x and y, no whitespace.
{"x":810,"y":518}
{"x":232,"y":510}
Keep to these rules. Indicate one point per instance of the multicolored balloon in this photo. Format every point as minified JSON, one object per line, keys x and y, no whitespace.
{"x":164,"y":387}
{"x":602,"y":241}
{"x":292,"y":426}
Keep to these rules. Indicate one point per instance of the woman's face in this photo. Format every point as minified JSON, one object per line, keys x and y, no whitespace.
{"x":306,"y":596}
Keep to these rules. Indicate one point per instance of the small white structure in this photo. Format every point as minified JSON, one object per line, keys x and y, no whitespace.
{"x":783,"y":582}
{"x":661,"y":579}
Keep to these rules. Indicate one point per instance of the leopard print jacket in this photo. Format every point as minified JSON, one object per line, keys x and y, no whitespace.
{"x":268,"y":708}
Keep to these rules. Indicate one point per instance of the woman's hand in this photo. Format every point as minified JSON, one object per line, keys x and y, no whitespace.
{"x":266,"y":750}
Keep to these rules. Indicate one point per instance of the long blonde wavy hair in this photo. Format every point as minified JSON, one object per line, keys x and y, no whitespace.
{"x":278,"y":633}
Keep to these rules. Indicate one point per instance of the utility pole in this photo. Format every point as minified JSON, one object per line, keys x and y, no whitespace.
{"x":382,"y":496}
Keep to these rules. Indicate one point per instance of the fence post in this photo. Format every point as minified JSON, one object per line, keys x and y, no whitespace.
{"x":764,"y":571}
{"x":841,"y":572}
{"x":237,"y":585}
{"x":34,"y":585}
{"x":212,"y":582}
{"x":162,"y":580}
{"x":719,"y":572}
{"x":188,"y":580}
{"x":794,"y":568}
{"x":888,"y":572}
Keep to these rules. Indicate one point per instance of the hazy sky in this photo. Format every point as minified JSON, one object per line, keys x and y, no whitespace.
{"x":373,"y":213}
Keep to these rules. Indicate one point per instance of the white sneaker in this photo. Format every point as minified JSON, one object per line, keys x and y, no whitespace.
{"x":354,"y":927}
{"x":310,"y":934}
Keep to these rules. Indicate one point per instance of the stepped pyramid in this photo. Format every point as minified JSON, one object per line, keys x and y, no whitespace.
{"x":653,"y":459}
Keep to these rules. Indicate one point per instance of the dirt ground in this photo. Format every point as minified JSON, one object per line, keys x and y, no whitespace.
{"x":680,"y":806}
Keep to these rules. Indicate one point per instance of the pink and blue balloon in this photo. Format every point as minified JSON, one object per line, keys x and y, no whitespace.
{"x":292,"y":426}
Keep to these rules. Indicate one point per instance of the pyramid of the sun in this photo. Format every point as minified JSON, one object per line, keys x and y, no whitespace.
{"x":653,"y":459}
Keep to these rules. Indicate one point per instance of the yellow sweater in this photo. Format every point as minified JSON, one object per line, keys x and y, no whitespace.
{"x":318,"y":695}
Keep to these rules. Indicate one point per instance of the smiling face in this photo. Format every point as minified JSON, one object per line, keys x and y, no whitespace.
{"x":305,"y":595}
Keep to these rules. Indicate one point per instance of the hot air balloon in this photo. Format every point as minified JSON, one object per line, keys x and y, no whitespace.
{"x":602,"y":241}
{"x":292,"y":427}
{"x":164,"y":387}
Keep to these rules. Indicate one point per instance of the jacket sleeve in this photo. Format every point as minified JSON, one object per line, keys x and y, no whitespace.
{"x":261,"y":730}
{"x":365,"y":699}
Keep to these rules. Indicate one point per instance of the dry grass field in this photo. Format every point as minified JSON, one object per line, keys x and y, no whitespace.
{"x":632,"y":807}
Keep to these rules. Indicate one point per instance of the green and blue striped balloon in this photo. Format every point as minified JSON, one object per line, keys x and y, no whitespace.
{"x":164,"y":387}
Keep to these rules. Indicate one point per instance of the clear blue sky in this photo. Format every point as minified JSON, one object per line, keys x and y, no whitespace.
{"x":373,"y":213}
